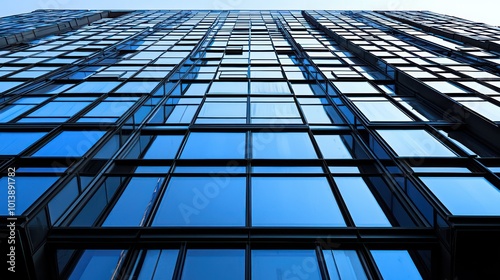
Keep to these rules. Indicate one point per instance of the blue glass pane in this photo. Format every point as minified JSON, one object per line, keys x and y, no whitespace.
{"x":414,"y":142}
{"x":395,"y":265}
{"x":465,"y":195}
{"x":287,"y":169}
{"x":332,"y":147}
{"x":28,"y":190}
{"x":11,"y":112}
{"x":286,"y":145}
{"x":15,"y":142}
{"x":96,"y":262}
{"x":4,"y":86}
{"x":214,"y":264}
{"x":362,"y":205}
{"x":203,"y":201}
{"x":59,"y":109}
{"x":133,"y":205}
{"x":229,"y":87}
{"x":355,"y":87}
{"x":270,"y":87}
{"x":164,"y":147}
{"x":213,"y":145}
{"x":93,"y":87}
{"x":158,"y":264}
{"x":295,"y":201}
{"x":211,"y":169}
{"x":137,"y":87}
{"x":285,"y":264}
{"x":152,"y":169}
{"x":343,"y":264}
{"x":70,"y":144}
{"x":110,"y":109}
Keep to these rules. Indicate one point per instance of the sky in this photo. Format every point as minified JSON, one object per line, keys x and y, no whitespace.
{"x":476,"y":10}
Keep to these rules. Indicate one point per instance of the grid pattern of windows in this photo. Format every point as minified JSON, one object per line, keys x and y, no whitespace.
{"x":251,"y":145}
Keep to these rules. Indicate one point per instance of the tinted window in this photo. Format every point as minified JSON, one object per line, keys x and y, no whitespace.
{"x":132,"y":207}
{"x":206,"y":145}
{"x":361,"y":203}
{"x":96,"y":262}
{"x":465,"y":195}
{"x":70,"y":144}
{"x":214,"y":264}
{"x":294,"y":201}
{"x":203,"y":201}
{"x":164,"y":147}
{"x":28,"y":190}
{"x":411,"y":143}
{"x":285,"y":264}
{"x":15,"y":142}
{"x":395,"y":265}
{"x":286,"y":145}
{"x":158,"y":264}
{"x":343,"y":264}
{"x":332,"y":147}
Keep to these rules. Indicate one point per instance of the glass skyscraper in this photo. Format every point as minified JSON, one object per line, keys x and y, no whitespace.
{"x":249,"y":145}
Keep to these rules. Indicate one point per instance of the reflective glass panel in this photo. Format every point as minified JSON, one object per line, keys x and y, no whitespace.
{"x":285,"y":264}
{"x":28,"y":190}
{"x":286,"y":145}
{"x":415,"y":143}
{"x":96,"y":262}
{"x":15,"y":142}
{"x":395,"y":265}
{"x":214,"y":145}
{"x":465,"y":195}
{"x":362,"y":205}
{"x":203,"y":201}
{"x":70,"y":144}
{"x":214,"y":264}
{"x":295,"y":201}
{"x":343,"y":264}
{"x":132,"y":207}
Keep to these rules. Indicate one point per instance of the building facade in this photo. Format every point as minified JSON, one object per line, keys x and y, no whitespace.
{"x":249,"y":145}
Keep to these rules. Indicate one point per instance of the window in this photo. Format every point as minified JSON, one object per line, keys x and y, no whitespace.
{"x":294,"y":201}
{"x":270,"y":88}
{"x":214,"y":145}
{"x":135,"y":202}
{"x":110,"y":108}
{"x":355,"y":87}
{"x":332,"y":147}
{"x":203,"y":201}
{"x":137,"y":87}
{"x":415,"y":143}
{"x":97,"y":262}
{"x":70,"y":144}
{"x":285,"y":145}
{"x":14,"y":143}
{"x":58,"y":108}
{"x":93,"y":87}
{"x":380,"y":110}
{"x":229,"y":87}
{"x":465,"y":195}
{"x":164,"y":147}
{"x":269,"y":110}
{"x":28,"y":190}
{"x":216,"y":264}
{"x":285,"y":264}
{"x":395,"y":265}
{"x":362,"y":205}
{"x":344,"y":264}
{"x":158,"y":264}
